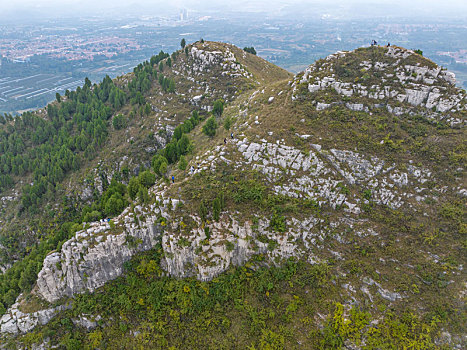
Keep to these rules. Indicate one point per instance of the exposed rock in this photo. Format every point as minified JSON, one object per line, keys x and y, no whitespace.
{"x":386,"y":294}
{"x":206,"y":59}
{"x":320,"y":174}
{"x":94,"y":256}
{"x":230,"y":243}
{"x":14,"y":321}
{"x":86,"y":322}
{"x":416,"y":85}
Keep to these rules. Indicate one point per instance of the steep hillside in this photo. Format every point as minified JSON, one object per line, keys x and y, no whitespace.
{"x":95,"y":147}
{"x":325,"y":210}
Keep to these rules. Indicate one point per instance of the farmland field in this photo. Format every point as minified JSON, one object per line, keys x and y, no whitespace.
{"x":33,"y":91}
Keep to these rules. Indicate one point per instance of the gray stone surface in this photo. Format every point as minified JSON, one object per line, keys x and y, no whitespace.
{"x":93,"y":257}
{"x":432,"y":89}
{"x":15,"y":321}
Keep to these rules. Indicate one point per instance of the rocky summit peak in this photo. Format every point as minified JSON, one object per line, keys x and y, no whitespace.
{"x":398,"y":79}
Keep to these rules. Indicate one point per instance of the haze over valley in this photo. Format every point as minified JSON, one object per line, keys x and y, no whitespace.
{"x":50,"y":47}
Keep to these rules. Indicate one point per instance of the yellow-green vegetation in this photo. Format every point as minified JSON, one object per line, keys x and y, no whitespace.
{"x":390,"y":332}
{"x":247,"y":307}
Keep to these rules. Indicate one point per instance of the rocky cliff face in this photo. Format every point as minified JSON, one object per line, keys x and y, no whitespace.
{"x":321,"y":174}
{"x":96,"y":255}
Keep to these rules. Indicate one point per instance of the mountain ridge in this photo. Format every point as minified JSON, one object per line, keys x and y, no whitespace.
{"x":332,"y":185}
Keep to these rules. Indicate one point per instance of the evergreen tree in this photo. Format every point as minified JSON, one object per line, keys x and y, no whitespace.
{"x":146,"y":178}
{"x":250,"y":50}
{"x":194,"y":118}
{"x":209,"y":128}
{"x":216,"y":209}
{"x":183,"y":145}
{"x":147,"y":109}
{"x":119,"y":122}
{"x":218,"y":108}
{"x":157,"y":162}
{"x":163,"y":169}
{"x":133,"y":187}
{"x":178,"y":131}
{"x":182,"y":163}
{"x":171,"y":87}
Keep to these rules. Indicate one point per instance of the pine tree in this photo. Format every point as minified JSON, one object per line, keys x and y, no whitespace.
{"x":218,"y":108}
{"x":216,"y":209}
{"x":182,"y":163}
{"x":209,"y":128}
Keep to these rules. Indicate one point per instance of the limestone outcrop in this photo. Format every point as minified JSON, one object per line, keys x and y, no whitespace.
{"x":95,"y":256}
{"x":15,"y":321}
{"x":400,"y":80}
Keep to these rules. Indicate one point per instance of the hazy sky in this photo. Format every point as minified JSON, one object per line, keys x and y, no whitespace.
{"x":402,"y":8}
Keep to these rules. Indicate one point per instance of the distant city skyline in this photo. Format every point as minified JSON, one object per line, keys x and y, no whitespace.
{"x":352,"y":8}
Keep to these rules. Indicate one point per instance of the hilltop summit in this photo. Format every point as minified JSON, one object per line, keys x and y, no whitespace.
{"x":401,"y":80}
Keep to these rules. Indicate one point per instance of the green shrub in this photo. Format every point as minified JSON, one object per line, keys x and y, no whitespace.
{"x":367,"y":194}
{"x":147,"y":178}
{"x":209,"y":128}
{"x":250,"y":49}
{"x":182,"y":163}
{"x":143,"y":194}
{"x":194,"y":118}
{"x":157,"y":162}
{"x":187,"y":126}
{"x":218,"y":107}
{"x":271,"y":341}
{"x":92,"y":216}
{"x":133,"y":187}
{"x":278,"y":223}
{"x":114,"y":205}
{"x":163,"y":169}
{"x":227,"y":123}
{"x":203,"y":211}
{"x":119,"y":122}
{"x":216,"y":209}
{"x":178,"y":132}
{"x":183,"y":145}
{"x":229,"y":246}
{"x":249,"y":191}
